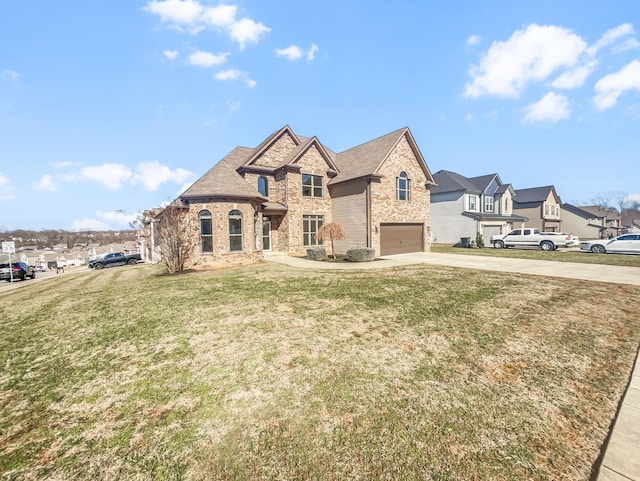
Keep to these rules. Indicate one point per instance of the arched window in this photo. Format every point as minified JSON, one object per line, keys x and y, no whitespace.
{"x":206,"y":231}
{"x":263,"y":186}
{"x":235,"y":230}
{"x":403,"y":187}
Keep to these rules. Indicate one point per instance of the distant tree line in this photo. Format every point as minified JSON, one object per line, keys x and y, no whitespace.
{"x":49,"y":238}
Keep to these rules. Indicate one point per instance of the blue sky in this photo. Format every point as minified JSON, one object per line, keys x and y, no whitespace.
{"x":110,"y":108}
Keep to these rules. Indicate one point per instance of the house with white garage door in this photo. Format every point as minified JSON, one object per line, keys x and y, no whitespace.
{"x":275,"y":197}
{"x":462,"y":207}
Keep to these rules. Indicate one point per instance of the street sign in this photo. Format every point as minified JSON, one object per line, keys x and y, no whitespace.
{"x":8,"y":247}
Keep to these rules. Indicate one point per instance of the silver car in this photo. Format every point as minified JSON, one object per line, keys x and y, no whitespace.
{"x":623,"y":244}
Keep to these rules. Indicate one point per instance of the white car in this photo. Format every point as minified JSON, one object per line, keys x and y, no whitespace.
{"x":623,"y":244}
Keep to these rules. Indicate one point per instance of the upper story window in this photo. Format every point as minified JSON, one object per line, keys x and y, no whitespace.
{"x":235,"y":230}
{"x":506,"y":206}
{"x":403,"y":187}
{"x":206,"y":231}
{"x":546,"y":209}
{"x":488,"y":204}
{"x":472,"y":200}
{"x":311,"y":185}
{"x":263,"y":186}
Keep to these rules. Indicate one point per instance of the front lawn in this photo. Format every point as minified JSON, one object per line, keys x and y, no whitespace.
{"x":269,"y":372}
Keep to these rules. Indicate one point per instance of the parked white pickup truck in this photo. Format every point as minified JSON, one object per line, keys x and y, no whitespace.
{"x":547,"y":241}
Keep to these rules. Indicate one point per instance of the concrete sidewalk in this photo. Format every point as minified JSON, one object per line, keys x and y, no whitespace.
{"x":621,"y":459}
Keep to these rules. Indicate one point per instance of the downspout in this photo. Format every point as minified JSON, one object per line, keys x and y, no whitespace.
{"x":368,"y":209}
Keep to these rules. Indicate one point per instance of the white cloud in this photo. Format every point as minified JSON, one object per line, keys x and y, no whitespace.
{"x":530,"y":55}
{"x":46,"y":183}
{"x":206,"y":59}
{"x":111,"y":176}
{"x":552,"y":107}
{"x":292,"y":53}
{"x":88,"y":224}
{"x":220,"y":16}
{"x":246,"y":31}
{"x":186,"y":12}
{"x":234,"y":74}
{"x":576,"y":77}
{"x":153,"y":174}
{"x":628,"y":44}
{"x":6,"y":189}
{"x":611,"y":36}
{"x":192,"y":16}
{"x":62,"y":164}
{"x":171,"y":54}
{"x":118,"y":217}
{"x":469,"y":117}
{"x":474,"y":40}
{"x":311,"y":54}
{"x":611,"y":86}
{"x":10,"y":76}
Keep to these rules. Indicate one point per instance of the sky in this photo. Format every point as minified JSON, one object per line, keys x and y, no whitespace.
{"x":111,"y":108}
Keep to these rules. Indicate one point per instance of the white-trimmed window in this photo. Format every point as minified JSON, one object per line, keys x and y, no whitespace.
{"x":403,"y":187}
{"x":488,"y":203}
{"x":235,"y":230}
{"x":472,"y":202}
{"x":311,"y":185}
{"x":206,"y":231}
{"x":310,"y":226}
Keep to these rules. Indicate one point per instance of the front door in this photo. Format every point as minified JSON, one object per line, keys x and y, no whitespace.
{"x":266,"y":233}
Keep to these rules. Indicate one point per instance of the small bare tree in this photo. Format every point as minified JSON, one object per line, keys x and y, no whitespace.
{"x":331,"y":231}
{"x":176,"y":238}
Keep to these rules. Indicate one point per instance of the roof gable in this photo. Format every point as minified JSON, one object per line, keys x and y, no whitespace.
{"x":303,"y":148}
{"x":448,"y":181}
{"x":366,"y":159}
{"x":223,"y":179}
{"x":484,"y":181}
{"x":536,"y":194}
{"x":275,"y":148}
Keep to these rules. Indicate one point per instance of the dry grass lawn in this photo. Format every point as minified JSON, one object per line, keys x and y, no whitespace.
{"x":268,"y":372}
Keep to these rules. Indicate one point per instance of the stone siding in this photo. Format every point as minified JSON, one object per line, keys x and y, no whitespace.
{"x":221,"y":255}
{"x":277,"y":153}
{"x":384,"y":206}
{"x":312,"y":163}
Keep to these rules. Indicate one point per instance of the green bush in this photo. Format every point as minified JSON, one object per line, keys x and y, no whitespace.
{"x":361,"y":254}
{"x":479,"y":241}
{"x":317,"y":254}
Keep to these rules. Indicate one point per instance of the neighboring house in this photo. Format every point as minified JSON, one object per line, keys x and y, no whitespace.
{"x":541,"y":205}
{"x":275,"y":197}
{"x":463,"y":207}
{"x":591,"y":222}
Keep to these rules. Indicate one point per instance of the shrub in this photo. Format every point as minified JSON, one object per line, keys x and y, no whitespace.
{"x":317,"y":254}
{"x":479,"y":241}
{"x":361,"y":254}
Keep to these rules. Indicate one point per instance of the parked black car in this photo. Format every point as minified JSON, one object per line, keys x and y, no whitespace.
{"x":21,"y":270}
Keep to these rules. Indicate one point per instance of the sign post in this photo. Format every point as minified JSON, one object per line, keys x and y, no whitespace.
{"x":9,"y":248}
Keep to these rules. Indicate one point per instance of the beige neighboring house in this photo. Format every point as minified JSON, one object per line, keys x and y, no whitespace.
{"x":541,"y":205}
{"x":273,"y":199}
{"x":591,"y":222}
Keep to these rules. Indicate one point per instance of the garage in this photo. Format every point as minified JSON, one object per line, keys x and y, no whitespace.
{"x":490,"y":230}
{"x":400,"y":238}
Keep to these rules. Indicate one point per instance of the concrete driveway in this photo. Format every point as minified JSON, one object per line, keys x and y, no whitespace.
{"x":570,"y":270}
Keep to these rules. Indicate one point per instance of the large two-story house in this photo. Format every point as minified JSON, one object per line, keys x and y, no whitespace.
{"x":275,"y":197}
{"x":465,"y":206}
{"x":541,"y":205}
